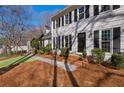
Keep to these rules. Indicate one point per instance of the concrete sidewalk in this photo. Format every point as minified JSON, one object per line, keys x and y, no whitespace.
{"x":58,"y":63}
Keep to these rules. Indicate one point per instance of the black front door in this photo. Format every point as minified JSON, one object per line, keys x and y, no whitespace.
{"x":81,"y":41}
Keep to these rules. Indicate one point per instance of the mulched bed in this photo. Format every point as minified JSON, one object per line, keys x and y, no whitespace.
{"x":72,"y":59}
{"x":42,"y":74}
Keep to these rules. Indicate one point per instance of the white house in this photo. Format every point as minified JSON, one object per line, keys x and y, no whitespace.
{"x":89,"y":26}
{"x":45,"y":38}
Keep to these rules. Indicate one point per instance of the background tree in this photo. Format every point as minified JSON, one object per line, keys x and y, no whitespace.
{"x":14,"y":21}
{"x":35,"y":43}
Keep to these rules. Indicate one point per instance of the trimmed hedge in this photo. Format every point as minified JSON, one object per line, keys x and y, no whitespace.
{"x":117,"y":60}
{"x":98,"y":55}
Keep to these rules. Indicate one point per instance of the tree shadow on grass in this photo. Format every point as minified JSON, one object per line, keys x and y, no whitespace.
{"x":16,"y":63}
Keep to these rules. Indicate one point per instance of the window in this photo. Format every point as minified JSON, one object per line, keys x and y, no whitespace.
{"x":53,"y":24}
{"x":70,"y":42}
{"x":87,"y":11}
{"x":62,"y":41}
{"x":105,"y":8}
{"x":75,"y":15}
{"x":70,"y":21}
{"x":62,"y":20}
{"x":81,"y":12}
{"x":96,"y":39}
{"x":116,"y":7}
{"x":66,"y":19}
{"x":116,"y":39}
{"x":96,"y":10}
{"x":106,"y":40}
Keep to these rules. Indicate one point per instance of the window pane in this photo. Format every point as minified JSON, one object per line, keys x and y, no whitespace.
{"x":81,"y":16}
{"x":105,"y":8}
{"x":96,"y":9}
{"x":81,"y":12}
{"x":81,"y":9}
{"x":116,"y":7}
{"x":106,"y":40}
{"x":66,"y":19}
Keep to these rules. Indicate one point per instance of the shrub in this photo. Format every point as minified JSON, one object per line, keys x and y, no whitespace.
{"x":46,"y":49}
{"x":12,"y":52}
{"x":98,"y":55}
{"x":117,"y":60}
{"x":35,"y":51}
{"x":35,"y":43}
{"x":63,"y":51}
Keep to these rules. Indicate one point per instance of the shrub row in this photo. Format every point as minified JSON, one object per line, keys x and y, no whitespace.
{"x":117,"y":60}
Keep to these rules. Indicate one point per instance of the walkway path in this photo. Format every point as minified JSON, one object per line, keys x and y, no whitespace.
{"x":58,"y":63}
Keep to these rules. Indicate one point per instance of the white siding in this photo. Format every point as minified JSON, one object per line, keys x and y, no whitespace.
{"x":105,"y":20}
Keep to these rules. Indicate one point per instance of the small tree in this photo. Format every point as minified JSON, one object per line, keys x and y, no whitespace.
{"x":35,"y":43}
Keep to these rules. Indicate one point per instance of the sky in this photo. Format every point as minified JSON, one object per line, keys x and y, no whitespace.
{"x":39,"y":9}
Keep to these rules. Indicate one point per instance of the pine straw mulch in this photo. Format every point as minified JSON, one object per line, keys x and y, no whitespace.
{"x":42,"y":74}
{"x":72,"y":59}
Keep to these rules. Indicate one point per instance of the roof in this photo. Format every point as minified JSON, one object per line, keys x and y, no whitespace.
{"x":47,"y":27}
{"x":64,"y":11}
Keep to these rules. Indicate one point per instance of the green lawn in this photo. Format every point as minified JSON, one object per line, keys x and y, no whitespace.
{"x":14,"y":60}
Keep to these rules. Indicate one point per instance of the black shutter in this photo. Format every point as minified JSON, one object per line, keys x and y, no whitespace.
{"x":70,"y":42}
{"x":116,"y":39}
{"x":87,"y":11}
